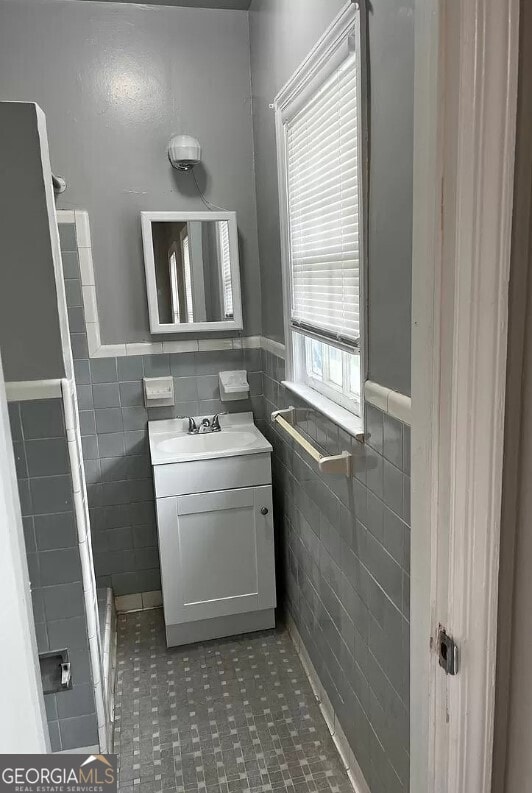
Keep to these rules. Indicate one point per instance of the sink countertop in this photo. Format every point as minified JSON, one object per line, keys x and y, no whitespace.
{"x":171,"y":443}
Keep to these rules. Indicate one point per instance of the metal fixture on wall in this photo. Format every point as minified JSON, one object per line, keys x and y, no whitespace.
{"x":59,"y":184}
{"x":184,"y":152}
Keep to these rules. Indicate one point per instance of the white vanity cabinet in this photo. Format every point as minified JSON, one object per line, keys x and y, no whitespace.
{"x":216,"y":543}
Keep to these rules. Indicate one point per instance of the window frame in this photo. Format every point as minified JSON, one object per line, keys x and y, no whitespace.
{"x":188,"y":285}
{"x":223,"y":269}
{"x":342,"y":39}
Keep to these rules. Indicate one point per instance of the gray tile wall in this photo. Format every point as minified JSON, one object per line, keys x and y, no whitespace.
{"x":115,"y":441}
{"x":344,"y":559}
{"x":343,"y":545}
{"x":45,"y":487}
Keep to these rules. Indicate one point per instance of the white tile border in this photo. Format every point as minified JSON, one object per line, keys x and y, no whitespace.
{"x":88,"y":284}
{"x":272,"y":346}
{"x":391,"y":402}
{"x":81,"y":511}
{"x":140,"y":601}
{"x":27,"y":390}
{"x":347,"y":421}
{"x":351,"y":766}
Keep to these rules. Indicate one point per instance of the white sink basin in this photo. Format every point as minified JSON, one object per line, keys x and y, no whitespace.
{"x":169,"y":441}
{"x":208,"y":442}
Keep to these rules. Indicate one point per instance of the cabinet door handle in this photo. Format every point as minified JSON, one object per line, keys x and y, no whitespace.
{"x":264,"y":510}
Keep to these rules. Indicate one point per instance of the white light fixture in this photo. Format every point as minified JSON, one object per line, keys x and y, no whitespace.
{"x":184,"y":152}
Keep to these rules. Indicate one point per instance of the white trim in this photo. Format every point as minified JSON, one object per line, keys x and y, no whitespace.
{"x":140,"y":601}
{"x":29,"y":390}
{"x":90,"y":304}
{"x":247,"y":343}
{"x":109,"y":650}
{"x":322,"y":52}
{"x":275,"y":347}
{"x":330,"y":49}
{"x":391,"y":402}
{"x":465,"y":103}
{"x":23,"y":726}
{"x":348,"y":421}
{"x":81,"y":511}
{"x":205,"y":345}
{"x":351,"y":766}
{"x":191,"y":345}
{"x":67,"y":216}
{"x":426,"y":269}
{"x":146,"y":219}
{"x":71,"y":416}
{"x":55,"y":243}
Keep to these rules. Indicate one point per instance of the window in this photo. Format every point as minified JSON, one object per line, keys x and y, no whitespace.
{"x":174,"y":285}
{"x":320,"y":165}
{"x":188,"y":278}
{"x":225,"y":267}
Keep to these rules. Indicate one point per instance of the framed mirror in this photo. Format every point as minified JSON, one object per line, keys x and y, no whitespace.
{"x":192,"y":271}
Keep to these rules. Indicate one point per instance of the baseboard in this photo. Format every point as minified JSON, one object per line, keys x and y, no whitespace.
{"x":109,"y":644}
{"x":140,"y":601}
{"x":351,"y":766}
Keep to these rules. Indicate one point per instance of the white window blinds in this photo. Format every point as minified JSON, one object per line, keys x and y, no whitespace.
{"x":323,"y":208}
{"x":225,"y":260}
{"x":187,"y":273}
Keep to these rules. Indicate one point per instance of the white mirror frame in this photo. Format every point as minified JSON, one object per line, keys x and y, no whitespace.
{"x":235,"y":324}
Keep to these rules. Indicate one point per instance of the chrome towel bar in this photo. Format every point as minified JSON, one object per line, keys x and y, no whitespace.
{"x":336,"y":464}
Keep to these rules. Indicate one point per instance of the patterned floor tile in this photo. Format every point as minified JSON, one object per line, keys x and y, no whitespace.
{"x":229,"y":716}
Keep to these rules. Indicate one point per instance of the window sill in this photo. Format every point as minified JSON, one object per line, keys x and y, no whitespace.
{"x":352,"y":424}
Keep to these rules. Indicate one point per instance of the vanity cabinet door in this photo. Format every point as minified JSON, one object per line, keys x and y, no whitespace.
{"x":217,"y":553}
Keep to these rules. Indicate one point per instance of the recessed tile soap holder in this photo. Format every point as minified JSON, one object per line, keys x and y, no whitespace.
{"x":56,"y":673}
{"x":233,"y":385}
{"x":336,"y":464}
{"x":159,"y":392}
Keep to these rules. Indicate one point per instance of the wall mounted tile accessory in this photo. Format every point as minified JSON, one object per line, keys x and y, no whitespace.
{"x":159,"y":392}
{"x":56,"y":673}
{"x":233,"y":385}
{"x":336,"y":464}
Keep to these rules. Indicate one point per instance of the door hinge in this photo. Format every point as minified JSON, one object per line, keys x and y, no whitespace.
{"x":447,"y":652}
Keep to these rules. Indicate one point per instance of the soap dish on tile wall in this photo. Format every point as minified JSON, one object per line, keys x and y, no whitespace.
{"x":233,"y":385}
{"x":159,"y":392}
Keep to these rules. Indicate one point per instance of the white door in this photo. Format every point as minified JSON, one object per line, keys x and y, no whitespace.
{"x":464,"y":138}
{"x":217,"y":553}
{"x":23,"y":725}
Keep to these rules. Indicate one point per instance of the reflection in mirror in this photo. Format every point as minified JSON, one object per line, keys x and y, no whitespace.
{"x":192,"y":272}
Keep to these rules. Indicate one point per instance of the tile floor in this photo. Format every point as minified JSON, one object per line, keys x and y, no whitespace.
{"x":230,"y":716}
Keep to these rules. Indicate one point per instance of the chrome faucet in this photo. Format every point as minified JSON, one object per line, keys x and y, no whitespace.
{"x":215,"y":423}
{"x":192,"y":426}
{"x":205,"y":426}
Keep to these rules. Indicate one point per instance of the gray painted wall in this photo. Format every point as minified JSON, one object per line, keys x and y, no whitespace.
{"x":50,"y":532}
{"x":29,"y":323}
{"x":281,"y":34}
{"x":116,"y":81}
